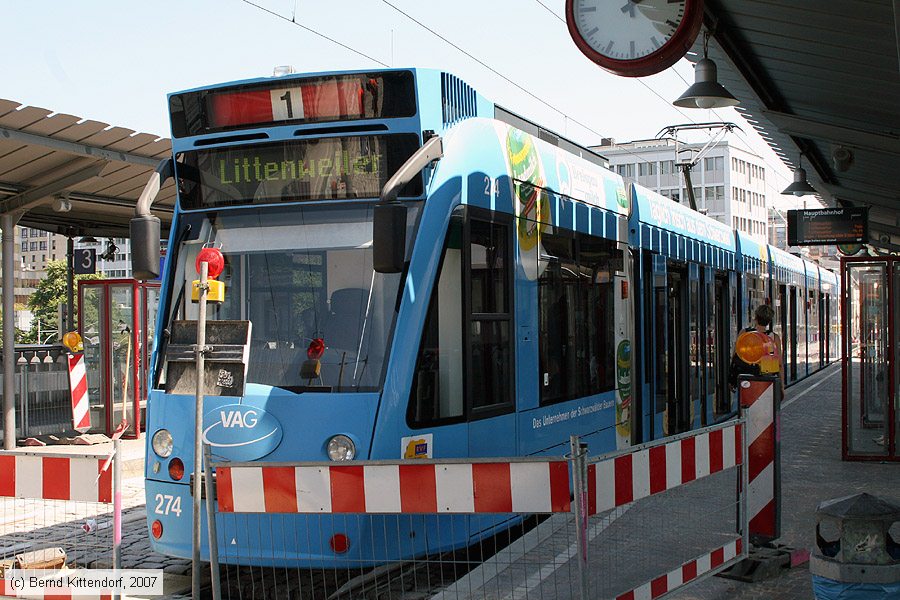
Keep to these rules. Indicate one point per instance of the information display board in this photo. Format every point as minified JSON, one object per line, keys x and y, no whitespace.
{"x":810,"y":227}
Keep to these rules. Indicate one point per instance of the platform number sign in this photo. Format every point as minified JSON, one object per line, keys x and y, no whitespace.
{"x":85,"y":261}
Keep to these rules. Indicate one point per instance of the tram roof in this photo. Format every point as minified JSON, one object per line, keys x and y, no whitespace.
{"x":812,"y":76}
{"x":99,"y":168}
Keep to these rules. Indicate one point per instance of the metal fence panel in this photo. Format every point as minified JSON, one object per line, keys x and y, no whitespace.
{"x":56,"y":510}
{"x":666,"y":513}
{"x":637,"y":543}
{"x":645,"y":522}
{"x":530,"y":557}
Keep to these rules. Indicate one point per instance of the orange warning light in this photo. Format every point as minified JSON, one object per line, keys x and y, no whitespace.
{"x":72,"y":341}
{"x":751,"y":346}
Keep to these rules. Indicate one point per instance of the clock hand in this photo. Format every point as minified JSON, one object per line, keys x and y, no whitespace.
{"x":629,"y":7}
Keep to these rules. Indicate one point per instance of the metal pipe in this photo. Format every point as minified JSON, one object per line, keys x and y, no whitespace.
{"x":211,"y":525}
{"x":164,"y":170}
{"x":23,"y":399}
{"x":117,"y":504}
{"x":8,"y":226}
{"x":198,"y":429}
{"x":579,"y":472}
{"x":70,"y":284}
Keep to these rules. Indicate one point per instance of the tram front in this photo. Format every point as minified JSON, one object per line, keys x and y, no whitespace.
{"x":282,"y":175}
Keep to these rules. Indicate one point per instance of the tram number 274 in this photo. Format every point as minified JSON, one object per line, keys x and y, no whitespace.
{"x":168,"y":504}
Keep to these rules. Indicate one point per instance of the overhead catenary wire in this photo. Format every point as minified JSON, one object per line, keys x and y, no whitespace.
{"x":314,"y":32}
{"x":469,"y":55}
{"x":445,"y":40}
{"x":490,"y":68}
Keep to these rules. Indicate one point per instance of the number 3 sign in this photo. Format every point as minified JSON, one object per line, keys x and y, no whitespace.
{"x":85,"y":261}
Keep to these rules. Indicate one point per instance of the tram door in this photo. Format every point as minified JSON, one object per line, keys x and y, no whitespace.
{"x":658,"y":345}
{"x":678,"y":408}
{"x":823,"y":330}
{"x":870,"y":410}
{"x":792,"y":333}
{"x":827,"y":331}
{"x":892,"y":355}
{"x":719,"y":356}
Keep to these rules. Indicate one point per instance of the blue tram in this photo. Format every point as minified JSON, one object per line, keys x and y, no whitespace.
{"x":536,"y":296}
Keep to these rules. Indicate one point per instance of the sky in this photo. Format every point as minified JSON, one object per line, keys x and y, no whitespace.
{"x":115,"y":61}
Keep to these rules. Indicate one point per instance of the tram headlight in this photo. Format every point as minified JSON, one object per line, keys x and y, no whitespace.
{"x":162,"y":443}
{"x":341,"y":448}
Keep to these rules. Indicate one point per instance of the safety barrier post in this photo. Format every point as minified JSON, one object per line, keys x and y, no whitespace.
{"x":211,"y":523}
{"x":744,"y":491}
{"x":579,"y":480}
{"x":760,"y":400}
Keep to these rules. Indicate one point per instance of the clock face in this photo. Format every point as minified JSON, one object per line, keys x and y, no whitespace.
{"x":634,"y":37}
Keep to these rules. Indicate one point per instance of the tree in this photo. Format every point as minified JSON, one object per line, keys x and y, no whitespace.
{"x":50,"y":292}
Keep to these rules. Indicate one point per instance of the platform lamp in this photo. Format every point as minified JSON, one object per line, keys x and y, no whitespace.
{"x":706,"y":92}
{"x":800,"y":186}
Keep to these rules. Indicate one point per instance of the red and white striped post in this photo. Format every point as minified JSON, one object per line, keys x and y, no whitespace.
{"x":760,"y":399}
{"x":81,"y":407}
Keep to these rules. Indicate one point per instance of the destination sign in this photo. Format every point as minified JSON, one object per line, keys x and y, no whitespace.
{"x":294,"y":100}
{"x":294,"y":171}
{"x":810,"y":227}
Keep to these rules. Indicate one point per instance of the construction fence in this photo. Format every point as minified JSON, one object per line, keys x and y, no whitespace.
{"x":631,"y":525}
{"x":58,"y":512}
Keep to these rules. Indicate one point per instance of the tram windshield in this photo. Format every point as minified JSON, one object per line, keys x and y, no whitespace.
{"x":299,"y":275}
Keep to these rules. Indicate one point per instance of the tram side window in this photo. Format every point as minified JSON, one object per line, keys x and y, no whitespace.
{"x":490,"y":326}
{"x":576,"y":316}
{"x":437,"y":387}
{"x":467,"y":343}
{"x":557,"y":319}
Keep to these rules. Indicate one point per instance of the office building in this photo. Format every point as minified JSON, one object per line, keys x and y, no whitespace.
{"x":729,"y":183}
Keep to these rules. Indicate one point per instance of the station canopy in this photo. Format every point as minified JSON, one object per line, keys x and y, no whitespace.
{"x":822,"y":79}
{"x":51,"y":160}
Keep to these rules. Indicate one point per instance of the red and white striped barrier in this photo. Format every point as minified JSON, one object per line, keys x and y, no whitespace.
{"x":81,"y":407}
{"x":662,"y":466}
{"x":758,"y":406}
{"x":688,"y":572}
{"x":517,"y":487}
{"x":55,"y":478}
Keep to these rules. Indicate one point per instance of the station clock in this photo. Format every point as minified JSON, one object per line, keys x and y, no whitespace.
{"x":634,"y":38}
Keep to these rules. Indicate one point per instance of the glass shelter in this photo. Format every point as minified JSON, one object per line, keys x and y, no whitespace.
{"x":116,"y":319}
{"x":871,"y":326}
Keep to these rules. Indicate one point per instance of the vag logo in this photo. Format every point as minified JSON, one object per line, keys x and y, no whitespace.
{"x":236,"y":418}
{"x":241,"y":433}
